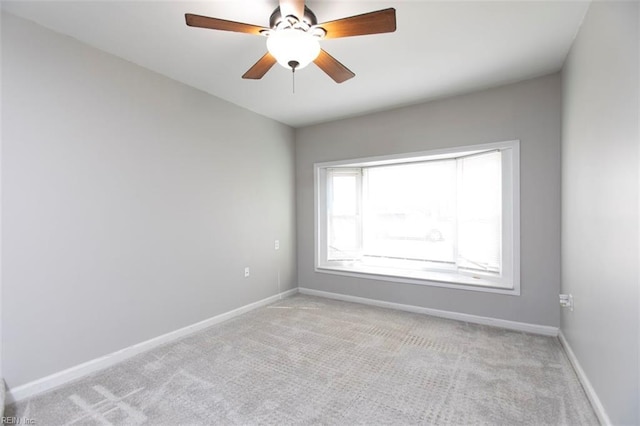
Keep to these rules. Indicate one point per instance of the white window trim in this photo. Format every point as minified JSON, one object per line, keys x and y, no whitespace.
{"x":430,"y":278}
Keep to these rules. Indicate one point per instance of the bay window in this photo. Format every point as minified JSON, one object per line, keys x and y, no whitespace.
{"x":444,"y":218}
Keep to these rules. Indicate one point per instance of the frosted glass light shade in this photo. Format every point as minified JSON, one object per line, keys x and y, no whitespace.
{"x":293,"y":45}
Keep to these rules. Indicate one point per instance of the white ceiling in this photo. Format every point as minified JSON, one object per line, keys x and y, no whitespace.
{"x":439,"y":49}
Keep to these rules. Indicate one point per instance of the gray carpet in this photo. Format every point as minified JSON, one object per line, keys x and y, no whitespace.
{"x":308,"y":360}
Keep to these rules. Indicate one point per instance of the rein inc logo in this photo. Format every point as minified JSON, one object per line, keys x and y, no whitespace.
{"x":18,"y":421}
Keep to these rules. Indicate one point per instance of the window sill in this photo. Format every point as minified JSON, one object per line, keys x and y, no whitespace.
{"x":428,"y":278}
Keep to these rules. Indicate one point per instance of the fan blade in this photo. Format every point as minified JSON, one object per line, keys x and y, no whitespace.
{"x":292,"y":7}
{"x":221,"y":24}
{"x":333,"y":67}
{"x":381,"y":21}
{"x":260,"y":68}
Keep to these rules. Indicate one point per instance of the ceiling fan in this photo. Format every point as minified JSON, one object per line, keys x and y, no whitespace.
{"x":294,"y":33}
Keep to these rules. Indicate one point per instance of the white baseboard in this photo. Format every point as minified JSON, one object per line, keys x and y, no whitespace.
{"x":586,"y":384}
{"x":511,"y":325}
{"x":54,"y":380}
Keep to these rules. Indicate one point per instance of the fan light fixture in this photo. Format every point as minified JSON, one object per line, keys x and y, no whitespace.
{"x":293,"y":48}
{"x":294,"y":34}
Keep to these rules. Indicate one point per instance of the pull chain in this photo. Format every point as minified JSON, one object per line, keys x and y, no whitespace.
{"x":293,"y":65}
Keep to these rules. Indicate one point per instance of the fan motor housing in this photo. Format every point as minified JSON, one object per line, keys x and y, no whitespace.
{"x":309,"y":17}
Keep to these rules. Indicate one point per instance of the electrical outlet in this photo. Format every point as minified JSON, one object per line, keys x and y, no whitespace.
{"x":566,"y":301}
{"x":246,"y":272}
{"x":277,"y":245}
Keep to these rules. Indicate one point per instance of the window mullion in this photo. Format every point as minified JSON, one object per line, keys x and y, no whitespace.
{"x":360,"y":213}
{"x":456,"y":219}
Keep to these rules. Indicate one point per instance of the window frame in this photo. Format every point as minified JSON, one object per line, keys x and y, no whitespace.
{"x":510,"y":224}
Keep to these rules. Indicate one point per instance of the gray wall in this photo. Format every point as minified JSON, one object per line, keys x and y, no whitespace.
{"x":600,"y":204}
{"x":131,"y":203}
{"x":528,"y":111}
{"x":2,"y":383}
